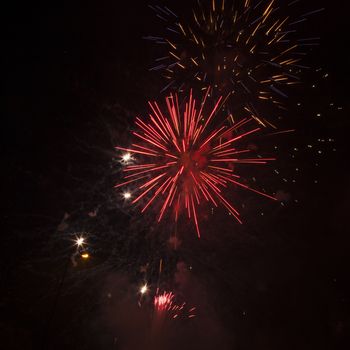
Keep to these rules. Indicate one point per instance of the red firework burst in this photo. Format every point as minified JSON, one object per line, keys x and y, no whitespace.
{"x":165,"y":304}
{"x":186,"y":159}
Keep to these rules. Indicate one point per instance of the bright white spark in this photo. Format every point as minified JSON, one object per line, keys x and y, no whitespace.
{"x":127,"y":195}
{"x":144,"y":289}
{"x":126,"y":157}
{"x":80,"y":241}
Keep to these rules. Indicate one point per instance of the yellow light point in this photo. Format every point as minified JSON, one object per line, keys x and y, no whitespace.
{"x":213,"y":4}
{"x":223,"y":6}
{"x":85,"y":256}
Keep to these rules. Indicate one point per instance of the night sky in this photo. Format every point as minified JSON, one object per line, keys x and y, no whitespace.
{"x":76,"y":75}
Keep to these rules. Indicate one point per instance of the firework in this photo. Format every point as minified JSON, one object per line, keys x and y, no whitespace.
{"x":248,"y":48}
{"x":185,"y":159}
{"x":164,"y":304}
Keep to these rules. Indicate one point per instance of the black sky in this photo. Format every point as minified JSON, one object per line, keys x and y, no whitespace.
{"x":74,"y":76}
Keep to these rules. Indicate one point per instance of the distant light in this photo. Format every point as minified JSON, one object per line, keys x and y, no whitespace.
{"x":127,"y":195}
{"x":144,"y":289}
{"x":126,"y":157}
{"x":80,"y":241}
{"x":85,"y":255}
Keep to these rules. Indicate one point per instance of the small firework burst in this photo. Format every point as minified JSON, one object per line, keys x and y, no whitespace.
{"x":164,"y":304}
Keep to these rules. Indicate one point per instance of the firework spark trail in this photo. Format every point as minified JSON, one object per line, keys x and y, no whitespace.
{"x":248,"y":48}
{"x":185,"y":160}
{"x":165,"y":304}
